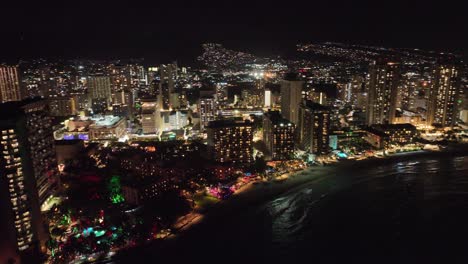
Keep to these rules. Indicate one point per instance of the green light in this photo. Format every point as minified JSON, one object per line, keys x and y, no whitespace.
{"x":115,"y":190}
{"x":99,"y":233}
{"x":65,"y":219}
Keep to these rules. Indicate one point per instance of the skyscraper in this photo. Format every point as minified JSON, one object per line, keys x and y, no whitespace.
{"x":278,"y":135}
{"x":148,"y":116}
{"x":207,"y":109}
{"x":167,"y":74}
{"x":10,"y":84}
{"x":291,"y":95}
{"x":314,"y":128}
{"x":408,"y":87}
{"x":267,"y":98}
{"x":230,"y":141}
{"x":28,"y":171}
{"x":384,"y":79}
{"x":99,"y":87}
{"x":441,"y":108}
{"x":119,"y":77}
{"x":62,"y":106}
{"x":353,"y":89}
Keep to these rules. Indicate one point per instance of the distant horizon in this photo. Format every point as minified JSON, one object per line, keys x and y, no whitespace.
{"x":167,"y":31}
{"x":158,"y":56}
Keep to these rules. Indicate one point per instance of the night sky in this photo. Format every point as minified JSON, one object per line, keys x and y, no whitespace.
{"x":164,"y":32}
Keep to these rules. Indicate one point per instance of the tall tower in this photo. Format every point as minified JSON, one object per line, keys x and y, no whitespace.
{"x":148,"y":116}
{"x":28,"y":173}
{"x":314,"y":127}
{"x":168,"y":74}
{"x":291,"y":94}
{"x":99,"y":87}
{"x":99,"y":91}
{"x":230,"y":141}
{"x":207,"y":109}
{"x":10,"y":84}
{"x":441,"y":107}
{"x":278,"y":135}
{"x":119,"y":78}
{"x":384,"y":78}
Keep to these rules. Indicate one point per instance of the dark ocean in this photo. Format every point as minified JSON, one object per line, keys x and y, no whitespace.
{"x":412,"y":210}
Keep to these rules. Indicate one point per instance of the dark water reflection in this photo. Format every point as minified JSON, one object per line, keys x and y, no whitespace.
{"x":410,"y":211}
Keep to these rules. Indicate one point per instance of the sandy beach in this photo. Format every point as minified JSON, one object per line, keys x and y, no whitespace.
{"x":265,"y":191}
{"x":323,"y":179}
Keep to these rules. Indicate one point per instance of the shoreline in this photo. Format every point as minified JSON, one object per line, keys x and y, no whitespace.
{"x":298,"y":178}
{"x":254,"y":195}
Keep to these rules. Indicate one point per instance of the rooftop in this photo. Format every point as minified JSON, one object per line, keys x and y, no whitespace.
{"x":393,"y":126}
{"x":228,"y":123}
{"x":12,"y":109}
{"x":107,"y":120}
{"x":314,"y":106}
{"x":276,"y":117}
{"x":292,"y":76}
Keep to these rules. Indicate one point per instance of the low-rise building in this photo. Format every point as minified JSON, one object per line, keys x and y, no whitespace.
{"x":92,"y":128}
{"x":140,"y":191}
{"x":107,"y":127}
{"x":384,"y":136}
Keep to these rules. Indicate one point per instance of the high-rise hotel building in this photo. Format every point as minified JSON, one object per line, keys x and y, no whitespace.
{"x":10,"y":84}
{"x":99,"y":92}
{"x":384,"y":78}
{"x":278,"y":135}
{"x":314,"y":128}
{"x":291,"y":96}
{"x":148,"y":116}
{"x":207,"y":110}
{"x":28,"y":174}
{"x":230,"y":141}
{"x":441,"y":107}
{"x":168,"y":75}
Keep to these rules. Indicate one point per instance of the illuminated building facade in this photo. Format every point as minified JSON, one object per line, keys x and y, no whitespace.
{"x":120,"y":110}
{"x":28,"y":172}
{"x":167,"y":74}
{"x":207,"y":108}
{"x":10,"y":85}
{"x":354,"y":90}
{"x":384,"y":78}
{"x":62,"y":106}
{"x":148,"y":117}
{"x":230,"y":141}
{"x":99,"y":127}
{"x":107,"y":127}
{"x":410,"y":83}
{"x":381,"y":136}
{"x":123,"y":98}
{"x":314,"y":128}
{"x":143,"y":190}
{"x":119,"y":77}
{"x":171,"y":120}
{"x":99,"y":105}
{"x":291,"y":96}
{"x":267,"y":97}
{"x":99,"y":87}
{"x":278,"y":135}
{"x":443,"y":95}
